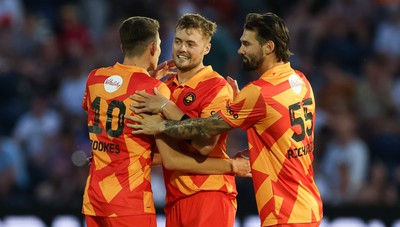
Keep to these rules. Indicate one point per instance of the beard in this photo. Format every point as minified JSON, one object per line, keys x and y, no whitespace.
{"x":252,"y":62}
{"x":183,"y":65}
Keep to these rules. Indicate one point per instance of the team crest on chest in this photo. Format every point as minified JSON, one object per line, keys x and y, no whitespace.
{"x":189,"y":98}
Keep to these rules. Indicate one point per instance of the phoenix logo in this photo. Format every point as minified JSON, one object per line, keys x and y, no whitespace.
{"x":189,"y":98}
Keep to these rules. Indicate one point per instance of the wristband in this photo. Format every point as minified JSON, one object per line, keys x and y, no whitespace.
{"x":163,"y":105}
{"x":184,"y":117}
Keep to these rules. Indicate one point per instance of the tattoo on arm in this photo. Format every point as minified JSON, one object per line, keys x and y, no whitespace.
{"x":193,"y":127}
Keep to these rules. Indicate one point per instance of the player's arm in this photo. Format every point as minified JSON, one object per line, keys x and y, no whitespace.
{"x":155,"y":157}
{"x":204,"y":145}
{"x":163,"y":70}
{"x":158,"y":103}
{"x":172,"y":159}
{"x":187,"y":129}
{"x":221,"y":95}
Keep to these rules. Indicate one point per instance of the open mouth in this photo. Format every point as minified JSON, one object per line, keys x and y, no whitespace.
{"x":182,"y":57}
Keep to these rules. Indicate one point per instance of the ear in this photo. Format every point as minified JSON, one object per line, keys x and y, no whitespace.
{"x":269,"y":47}
{"x":153,"y":48}
{"x":120,"y":47}
{"x":207,"y":49}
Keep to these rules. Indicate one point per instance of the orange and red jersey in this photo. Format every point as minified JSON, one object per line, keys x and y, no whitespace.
{"x":278,"y":111}
{"x":201,"y":96}
{"x":119,"y":177}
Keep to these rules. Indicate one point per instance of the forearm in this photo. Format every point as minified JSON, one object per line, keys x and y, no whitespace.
{"x":195,"y":127}
{"x":204,"y":146}
{"x":199,"y":164}
{"x":171,"y":111}
{"x":173,"y":159}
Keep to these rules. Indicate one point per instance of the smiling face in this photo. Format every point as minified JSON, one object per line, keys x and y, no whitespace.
{"x":189,"y":48}
{"x":250,"y":51}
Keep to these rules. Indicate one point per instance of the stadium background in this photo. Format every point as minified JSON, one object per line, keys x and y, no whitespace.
{"x":349,"y":50}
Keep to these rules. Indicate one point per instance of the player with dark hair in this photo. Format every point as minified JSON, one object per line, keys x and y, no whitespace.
{"x":118,"y":189}
{"x":278,"y":112}
{"x":197,"y":91}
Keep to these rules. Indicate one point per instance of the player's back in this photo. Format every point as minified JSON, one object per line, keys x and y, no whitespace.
{"x":119,"y":178}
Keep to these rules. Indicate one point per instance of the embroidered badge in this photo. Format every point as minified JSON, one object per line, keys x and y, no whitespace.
{"x":189,"y":98}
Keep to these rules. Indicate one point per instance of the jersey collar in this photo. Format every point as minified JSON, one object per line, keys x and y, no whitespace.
{"x":196,"y":79}
{"x":277,"y":70}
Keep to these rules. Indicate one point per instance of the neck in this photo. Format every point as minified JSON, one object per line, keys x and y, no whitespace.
{"x":267,"y":65}
{"x":184,"y":76}
{"x":136,"y":61}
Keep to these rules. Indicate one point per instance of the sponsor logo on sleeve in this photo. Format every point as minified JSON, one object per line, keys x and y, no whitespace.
{"x":113,"y":83}
{"x":295,"y":83}
{"x":231,"y":112}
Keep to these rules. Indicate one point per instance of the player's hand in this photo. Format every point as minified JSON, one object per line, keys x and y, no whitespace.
{"x":241,"y":167}
{"x":243,"y":154}
{"x":89,"y":160}
{"x":163,"y":69}
{"x":147,"y":103}
{"x":147,"y":124}
{"x":234,"y":85}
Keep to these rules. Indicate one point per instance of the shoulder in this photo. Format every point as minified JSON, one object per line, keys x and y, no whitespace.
{"x":146,"y":77}
{"x":251,"y":89}
{"x":213,"y":78}
{"x":169,"y":79}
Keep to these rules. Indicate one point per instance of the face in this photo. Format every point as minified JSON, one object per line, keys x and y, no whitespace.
{"x":250,"y":51}
{"x":189,"y":48}
{"x":156,"y":56}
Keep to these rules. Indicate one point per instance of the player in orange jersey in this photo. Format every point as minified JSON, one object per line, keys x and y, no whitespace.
{"x":278,"y":112}
{"x":198,"y":91}
{"x":118,"y":190}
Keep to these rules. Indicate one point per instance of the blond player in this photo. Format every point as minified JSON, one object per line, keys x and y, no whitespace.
{"x":278,"y":112}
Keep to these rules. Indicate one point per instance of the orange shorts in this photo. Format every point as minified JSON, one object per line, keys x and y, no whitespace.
{"x":202,"y":209}
{"x":146,"y":220}
{"x":315,"y":224}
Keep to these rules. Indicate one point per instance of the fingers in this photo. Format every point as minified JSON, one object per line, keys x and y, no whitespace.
{"x":156,"y":92}
{"x":134,"y":126}
{"x":142,"y":93}
{"x":133,"y":118}
{"x":137,"y":98}
{"x":137,"y":108}
{"x":171,"y":63}
{"x":162,"y":65}
{"x":233,"y":83}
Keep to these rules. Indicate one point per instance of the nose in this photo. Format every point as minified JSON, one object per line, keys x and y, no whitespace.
{"x":182,"y":47}
{"x":239,"y":51}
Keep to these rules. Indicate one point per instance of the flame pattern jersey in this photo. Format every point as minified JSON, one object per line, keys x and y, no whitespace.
{"x":201,"y":96}
{"x":278,"y":112}
{"x":119,"y":177}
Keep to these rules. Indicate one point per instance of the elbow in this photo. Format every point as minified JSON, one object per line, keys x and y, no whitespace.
{"x":169,"y":164}
{"x":205,"y":150}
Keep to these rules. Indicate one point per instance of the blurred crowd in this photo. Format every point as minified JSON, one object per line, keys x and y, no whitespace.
{"x":349,"y":50}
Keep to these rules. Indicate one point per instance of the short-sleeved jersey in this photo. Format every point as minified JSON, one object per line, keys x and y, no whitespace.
{"x":278,"y":111}
{"x":119,"y":177}
{"x":201,"y":96}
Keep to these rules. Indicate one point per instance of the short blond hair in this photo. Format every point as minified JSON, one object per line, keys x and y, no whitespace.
{"x":196,"y":21}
